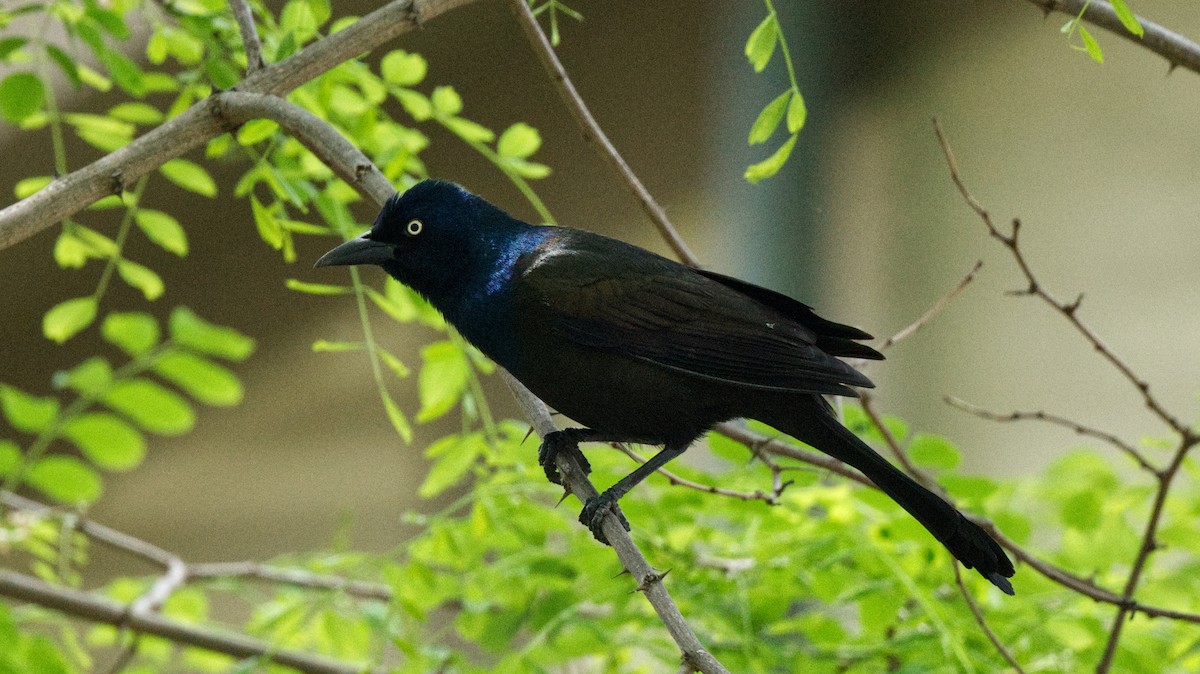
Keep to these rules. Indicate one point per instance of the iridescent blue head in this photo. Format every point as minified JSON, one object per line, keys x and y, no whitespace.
{"x":438,"y":239}
{"x":451,"y":246}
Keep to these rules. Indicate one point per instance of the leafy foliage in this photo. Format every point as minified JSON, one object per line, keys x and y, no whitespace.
{"x":834,"y":578}
{"x":789,"y":105}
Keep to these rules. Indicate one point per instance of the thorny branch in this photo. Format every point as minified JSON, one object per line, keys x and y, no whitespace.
{"x":1187,"y":438}
{"x":594,"y":134}
{"x":1175,"y":48}
{"x":1039,"y":415}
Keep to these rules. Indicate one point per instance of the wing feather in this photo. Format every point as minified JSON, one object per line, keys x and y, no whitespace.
{"x":609,"y":295}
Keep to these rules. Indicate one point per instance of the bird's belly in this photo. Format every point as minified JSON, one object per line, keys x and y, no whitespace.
{"x":623,"y":396}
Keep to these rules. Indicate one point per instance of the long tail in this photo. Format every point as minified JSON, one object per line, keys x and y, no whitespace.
{"x":964,"y":539}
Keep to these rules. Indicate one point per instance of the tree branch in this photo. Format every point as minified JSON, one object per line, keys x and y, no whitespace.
{"x":1039,"y":415}
{"x":933,"y":311}
{"x":1069,"y":311}
{"x":250,"y":41}
{"x":68,"y":194}
{"x":649,"y":581}
{"x":983,"y":625}
{"x":595,"y":135}
{"x":1188,"y":438}
{"x":99,"y":609}
{"x":1175,"y":48}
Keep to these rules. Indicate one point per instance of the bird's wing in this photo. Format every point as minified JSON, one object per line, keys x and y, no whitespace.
{"x":604,"y":294}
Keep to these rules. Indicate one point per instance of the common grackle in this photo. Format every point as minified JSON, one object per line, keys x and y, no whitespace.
{"x":639,"y":348}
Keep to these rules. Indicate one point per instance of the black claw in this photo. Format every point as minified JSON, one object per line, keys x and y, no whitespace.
{"x":594,"y":512}
{"x":552,"y":445}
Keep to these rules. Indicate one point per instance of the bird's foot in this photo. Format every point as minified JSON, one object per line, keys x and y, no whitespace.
{"x":552,"y":445}
{"x":594,"y":512}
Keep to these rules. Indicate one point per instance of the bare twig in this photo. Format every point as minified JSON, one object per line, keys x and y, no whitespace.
{"x":68,"y":194}
{"x":295,"y":577}
{"x":934,"y":310}
{"x":765,"y":445}
{"x":1187,"y":437}
{"x":771,"y":498}
{"x":1175,"y":48}
{"x":99,"y":609}
{"x":250,"y":41}
{"x":339,"y":154}
{"x":1069,"y":311}
{"x":1149,"y":545}
{"x":594,"y":134}
{"x":1057,"y":420}
{"x":1004,"y":652}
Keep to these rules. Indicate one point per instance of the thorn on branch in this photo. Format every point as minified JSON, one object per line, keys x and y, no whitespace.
{"x":651,"y":579}
{"x":1071,"y":308}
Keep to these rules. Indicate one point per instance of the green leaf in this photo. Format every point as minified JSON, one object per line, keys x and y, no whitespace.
{"x":762,"y":41}
{"x":203,"y":379}
{"x":89,"y":378}
{"x":317,"y":288}
{"x":142,"y":278}
{"x":151,"y":406}
{"x":326,"y":346}
{"x":10,"y":457}
{"x":28,"y":413}
{"x":256,"y":131}
{"x":125,"y":72}
{"x":415,"y":103}
{"x":1090,"y":45}
{"x":442,"y":380}
{"x":162,"y":229}
{"x":136,"y":113}
{"x":70,"y":252}
{"x":197,"y":334}
{"x":68,"y":317}
{"x":397,"y":418}
{"x":64,"y":479}
{"x":771,"y":165}
{"x":106,"y":440}
{"x":1082,"y":511}
{"x":769,"y":119}
{"x":446,"y":101}
{"x":21,"y":95}
{"x":527,"y":169}
{"x":402,"y":68}
{"x":1127,"y":18}
{"x":32,"y":185}
{"x":519,"y":140}
{"x":797,"y":112}
{"x":935,"y":451}
{"x":190,"y":176}
{"x":468,"y":130}
{"x":395,"y":305}
{"x":297,"y":18}
{"x":9,"y":45}
{"x":454,"y":457}
{"x":268,"y":226}
{"x":394,"y":364}
{"x":133,"y":332}
{"x":66,"y":64}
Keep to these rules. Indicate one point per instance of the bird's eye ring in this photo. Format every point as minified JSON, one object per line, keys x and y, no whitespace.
{"x":413,"y":227}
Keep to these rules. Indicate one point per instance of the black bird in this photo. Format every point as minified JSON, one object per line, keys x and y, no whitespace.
{"x":636,"y":347}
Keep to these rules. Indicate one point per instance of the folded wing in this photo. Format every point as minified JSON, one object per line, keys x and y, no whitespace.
{"x":608,"y":295}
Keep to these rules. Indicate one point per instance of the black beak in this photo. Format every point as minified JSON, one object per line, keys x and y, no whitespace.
{"x":357,"y":251}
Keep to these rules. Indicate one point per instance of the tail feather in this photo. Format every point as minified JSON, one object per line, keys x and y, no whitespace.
{"x":970,"y":544}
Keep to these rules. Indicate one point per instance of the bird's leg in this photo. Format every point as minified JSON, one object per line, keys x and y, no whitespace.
{"x":597,"y":507}
{"x":567,"y":440}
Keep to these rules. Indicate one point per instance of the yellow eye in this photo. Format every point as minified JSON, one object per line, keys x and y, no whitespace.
{"x":413,"y":227}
